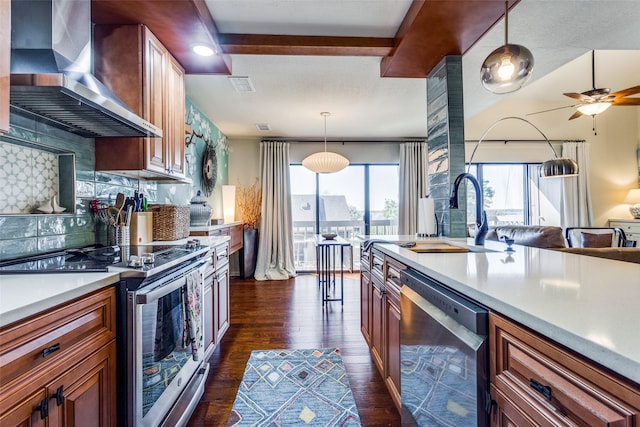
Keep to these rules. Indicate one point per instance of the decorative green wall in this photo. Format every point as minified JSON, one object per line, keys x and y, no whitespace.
{"x":203,"y":132}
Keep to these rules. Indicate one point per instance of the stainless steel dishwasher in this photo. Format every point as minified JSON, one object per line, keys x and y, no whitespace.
{"x":443,"y":355}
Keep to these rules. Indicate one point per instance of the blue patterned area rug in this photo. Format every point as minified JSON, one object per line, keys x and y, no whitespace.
{"x":293,"y":388}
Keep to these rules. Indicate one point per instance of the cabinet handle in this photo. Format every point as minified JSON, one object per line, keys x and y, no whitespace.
{"x":59,"y":396}
{"x":43,"y":407}
{"x":545,"y":390}
{"x":47,"y":351}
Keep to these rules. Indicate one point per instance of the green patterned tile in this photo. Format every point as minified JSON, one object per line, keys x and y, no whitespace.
{"x":18,"y":227}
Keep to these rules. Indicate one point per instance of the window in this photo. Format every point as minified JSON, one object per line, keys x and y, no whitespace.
{"x":359,"y":200}
{"x":514,"y":194}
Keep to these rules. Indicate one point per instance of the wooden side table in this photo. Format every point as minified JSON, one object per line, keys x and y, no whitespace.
{"x":631,"y":228}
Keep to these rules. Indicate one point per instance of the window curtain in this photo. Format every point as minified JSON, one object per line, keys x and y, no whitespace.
{"x":275,"y":249}
{"x":413,"y":184}
{"x":576,"y":195}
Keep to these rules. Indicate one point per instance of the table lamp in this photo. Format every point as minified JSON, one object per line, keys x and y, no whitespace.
{"x":633,"y":200}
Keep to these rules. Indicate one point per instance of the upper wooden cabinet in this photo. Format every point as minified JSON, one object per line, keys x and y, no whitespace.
{"x":5,"y":48}
{"x":133,"y":63}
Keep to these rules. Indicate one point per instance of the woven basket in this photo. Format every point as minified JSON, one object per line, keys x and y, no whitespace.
{"x":170,"y":222}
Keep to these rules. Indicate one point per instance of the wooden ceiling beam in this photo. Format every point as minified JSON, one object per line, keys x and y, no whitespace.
{"x":265,"y":44}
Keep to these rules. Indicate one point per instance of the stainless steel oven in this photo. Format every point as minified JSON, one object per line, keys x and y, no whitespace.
{"x":165,"y":348}
{"x":443,"y":355}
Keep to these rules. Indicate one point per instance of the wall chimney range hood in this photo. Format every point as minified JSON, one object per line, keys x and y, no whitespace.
{"x":51,"y":78}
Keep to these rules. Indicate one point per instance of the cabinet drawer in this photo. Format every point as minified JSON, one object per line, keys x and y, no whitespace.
{"x":631,"y":229}
{"x":42,"y":340}
{"x":365,"y":260}
{"x":553,"y":385}
{"x":377,"y":264}
{"x":393,"y":269}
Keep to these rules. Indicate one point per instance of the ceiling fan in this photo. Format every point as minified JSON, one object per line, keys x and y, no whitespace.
{"x":597,"y":100}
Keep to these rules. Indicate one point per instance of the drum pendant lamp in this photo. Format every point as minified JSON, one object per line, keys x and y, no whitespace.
{"x":325,"y":161}
{"x":508,"y":67}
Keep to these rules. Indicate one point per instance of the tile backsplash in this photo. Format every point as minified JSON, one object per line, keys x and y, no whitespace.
{"x":29,"y":176}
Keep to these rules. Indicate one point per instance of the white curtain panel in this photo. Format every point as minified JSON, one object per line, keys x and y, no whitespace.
{"x":576,"y":197}
{"x":275,"y":249}
{"x":413,"y":184}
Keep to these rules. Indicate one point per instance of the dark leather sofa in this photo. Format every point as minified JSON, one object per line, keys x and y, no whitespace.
{"x":548,"y":237}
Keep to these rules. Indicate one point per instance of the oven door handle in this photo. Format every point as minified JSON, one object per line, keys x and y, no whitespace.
{"x":160,"y":291}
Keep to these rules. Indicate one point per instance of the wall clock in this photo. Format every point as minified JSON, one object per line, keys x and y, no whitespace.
{"x":209,"y":169}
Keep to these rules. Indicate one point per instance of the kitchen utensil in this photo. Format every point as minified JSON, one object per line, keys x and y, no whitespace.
{"x":119,"y":200}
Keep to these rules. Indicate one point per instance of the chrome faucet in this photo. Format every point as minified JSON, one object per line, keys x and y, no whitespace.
{"x":481,"y":215}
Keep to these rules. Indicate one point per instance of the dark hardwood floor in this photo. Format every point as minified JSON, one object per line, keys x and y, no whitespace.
{"x":289,"y":314}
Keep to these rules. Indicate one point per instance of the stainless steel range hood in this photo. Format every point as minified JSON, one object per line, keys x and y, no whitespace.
{"x":51,"y":76}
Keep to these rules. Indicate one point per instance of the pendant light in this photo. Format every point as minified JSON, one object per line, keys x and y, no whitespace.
{"x":325,"y":161}
{"x":508,"y":67}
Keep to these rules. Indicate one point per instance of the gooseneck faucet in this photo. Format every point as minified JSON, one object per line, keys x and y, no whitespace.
{"x":481,"y":215}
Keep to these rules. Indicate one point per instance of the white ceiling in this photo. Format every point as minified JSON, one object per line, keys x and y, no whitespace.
{"x":291,"y":91}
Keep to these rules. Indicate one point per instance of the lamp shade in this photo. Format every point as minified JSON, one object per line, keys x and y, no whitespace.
{"x":558,"y":168}
{"x":633,"y":199}
{"x":228,"y":203}
{"x":325,"y":162}
{"x":507,"y":68}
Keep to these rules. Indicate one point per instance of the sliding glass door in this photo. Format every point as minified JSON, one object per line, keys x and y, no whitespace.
{"x":357,"y":201}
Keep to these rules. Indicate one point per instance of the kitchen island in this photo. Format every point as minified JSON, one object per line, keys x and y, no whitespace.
{"x":552,"y":315}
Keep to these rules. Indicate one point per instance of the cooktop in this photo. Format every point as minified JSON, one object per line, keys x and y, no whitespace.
{"x":132,"y":260}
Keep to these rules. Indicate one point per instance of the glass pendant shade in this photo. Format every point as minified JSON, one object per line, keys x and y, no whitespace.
{"x":508,"y":67}
{"x":325,"y":161}
{"x":594,"y":108}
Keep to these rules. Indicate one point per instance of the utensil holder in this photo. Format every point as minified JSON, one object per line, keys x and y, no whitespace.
{"x":119,"y":235}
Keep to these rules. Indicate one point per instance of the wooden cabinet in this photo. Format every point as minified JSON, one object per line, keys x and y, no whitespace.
{"x":5,"y":49}
{"x":536,"y":382}
{"x":631,"y":228}
{"x":216,"y":310}
{"x":234,"y":231}
{"x":380,"y":315}
{"x":59,"y":368}
{"x":133,"y":63}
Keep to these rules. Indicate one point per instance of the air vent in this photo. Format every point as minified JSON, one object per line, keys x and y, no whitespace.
{"x":263,"y":127}
{"x":242,"y":84}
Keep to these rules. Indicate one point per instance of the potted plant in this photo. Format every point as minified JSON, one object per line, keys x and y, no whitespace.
{"x":249,"y":209}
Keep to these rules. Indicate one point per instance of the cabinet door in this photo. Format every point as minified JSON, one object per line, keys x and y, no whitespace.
{"x":155,"y":57}
{"x":222,"y":301}
{"x":5,"y":42}
{"x":209,"y":318}
{"x":175,"y":106}
{"x":392,"y":359}
{"x":365,"y":306}
{"x":26,"y":412}
{"x":85,"y":395}
{"x":377,"y":324}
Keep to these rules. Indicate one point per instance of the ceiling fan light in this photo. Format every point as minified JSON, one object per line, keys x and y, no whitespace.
{"x":507,"y":69}
{"x":594,"y":108}
{"x":559,"y":168}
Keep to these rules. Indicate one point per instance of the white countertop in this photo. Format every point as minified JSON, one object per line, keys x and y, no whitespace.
{"x":589,"y":304}
{"x":23,"y":295}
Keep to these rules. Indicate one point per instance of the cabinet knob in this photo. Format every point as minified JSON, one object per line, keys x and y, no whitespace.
{"x":43,"y":408}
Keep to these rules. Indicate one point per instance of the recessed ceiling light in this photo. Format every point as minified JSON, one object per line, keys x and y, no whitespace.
{"x":202,"y":50}
{"x":263,"y":127}
{"x":242,"y":84}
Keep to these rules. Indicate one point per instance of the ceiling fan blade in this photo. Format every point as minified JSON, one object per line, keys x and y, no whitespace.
{"x":575,"y":115}
{"x":626,"y":101}
{"x":578,"y":96}
{"x":552,"y":109}
{"x":626,"y":92}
